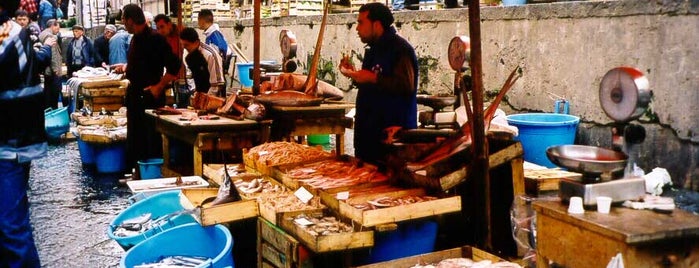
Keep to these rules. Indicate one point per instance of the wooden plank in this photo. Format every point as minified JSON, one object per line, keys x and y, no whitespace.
{"x":327,"y":243}
{"x":103,"y":92}
{"x":430,"y":258}
{"x":269,"y":213}
{"x":192,"y":198}
{"x":273,"y":256}
{"x":265,"y":264}
{"x":279,"y":239}
{"x":518,"y":185}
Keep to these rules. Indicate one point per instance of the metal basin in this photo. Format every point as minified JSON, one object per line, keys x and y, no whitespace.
{"x":588,"y":160}
{"x":436,"y":102}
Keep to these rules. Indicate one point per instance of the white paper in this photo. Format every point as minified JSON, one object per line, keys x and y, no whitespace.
{"x":303,"y":222}
{"x":303,"y":195}
{"x":342,"y":195}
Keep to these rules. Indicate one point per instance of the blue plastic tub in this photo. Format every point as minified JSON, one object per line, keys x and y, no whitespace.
{"x":87,"y":152}
{"x":513,"y":2}
{"x":411,"y":238}
{"x":56,"y":122}
{"x":214,"y":242}
{"x":110,"y":158}
{"x":538,"y":131}
{"x":158,"y":205}
{"x":244,"y":73}
{"x":150,"y":168}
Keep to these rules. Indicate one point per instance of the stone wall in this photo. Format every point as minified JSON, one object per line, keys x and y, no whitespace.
{"x":563,"y":48}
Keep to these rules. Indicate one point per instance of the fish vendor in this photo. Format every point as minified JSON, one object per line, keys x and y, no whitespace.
{"x":22,"y":135}
{"x":148,"y":54}
{"x":387,"y":82}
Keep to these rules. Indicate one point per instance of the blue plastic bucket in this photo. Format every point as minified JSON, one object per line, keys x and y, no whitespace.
{"x":411,"y":238}
{"x":192,"y":239}
{"x":158,"y":205}
{"x":56,"y":122}
{"x":319,"y":139}
{"x":87,"y":152}
{"x":150,"y":168}
{"x":513,"y":2}
{"x":244,"y":73}
{"x":538,"y":131}
{"x":110,"y":158}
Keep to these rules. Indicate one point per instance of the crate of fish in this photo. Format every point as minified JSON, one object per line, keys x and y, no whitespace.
{"x":332,"y":197}
{"x":321,"y":232}
{"x":265,"y":156}
{"x":465,"y":256}
{"x":211,"y":206}
{"x":396,"y":206}
{"x":342,"y":173}
{"x":273,"y":207}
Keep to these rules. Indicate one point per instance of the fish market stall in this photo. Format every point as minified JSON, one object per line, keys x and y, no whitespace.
{"x":97,"y":89}
{"x":102,"y":140}
{"x":207,"y":133}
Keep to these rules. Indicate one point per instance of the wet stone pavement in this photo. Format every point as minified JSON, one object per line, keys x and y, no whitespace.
{"x":71,"y":208}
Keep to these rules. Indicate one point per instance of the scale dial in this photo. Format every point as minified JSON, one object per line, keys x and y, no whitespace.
{"x":287,"y":42}
{"x":624,"y":94}
{"x":459,"y":52}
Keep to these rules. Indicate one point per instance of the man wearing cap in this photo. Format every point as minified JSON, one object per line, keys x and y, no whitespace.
{"x":102,"y":44}
{"x":148,"y":55}
{"x":81,"y":51}
{"x":119,"y":46}
{"x":53,"y":72}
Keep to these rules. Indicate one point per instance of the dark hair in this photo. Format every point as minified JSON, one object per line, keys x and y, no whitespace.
{"x":135,"y":13}
{"x":378,"y":12}
{"x":21,"y":13}
{"x":189,"y":34}
{"x":160,"y":17}
{"x":206,"y":15}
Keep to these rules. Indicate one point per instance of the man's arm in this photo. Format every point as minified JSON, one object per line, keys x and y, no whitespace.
{"x":172,"y":68}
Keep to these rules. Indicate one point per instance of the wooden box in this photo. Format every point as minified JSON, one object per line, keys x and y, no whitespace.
{"x":253,"y":161}
{"x":165,"y":184}
{"x":192,"y":198}
{"x":275,"y":246}
{"x":472,"y":253}
{"x":275,"y":215}
{"x":327,"y":243}
{"x":537,"y":182}
{"x":368,"y":218}
{"x":330,"y":197}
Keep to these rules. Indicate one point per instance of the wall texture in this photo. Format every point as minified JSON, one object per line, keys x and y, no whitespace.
{"x":563,"y":48}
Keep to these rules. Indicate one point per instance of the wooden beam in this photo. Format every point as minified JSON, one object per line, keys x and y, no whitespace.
{"x":256,"y":49}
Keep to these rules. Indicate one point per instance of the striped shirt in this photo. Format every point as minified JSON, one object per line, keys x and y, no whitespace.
{"x":215,"y":62}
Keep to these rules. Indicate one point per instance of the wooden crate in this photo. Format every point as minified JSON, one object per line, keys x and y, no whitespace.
{"x":537,"y":182}
{"x":192,"y":198}
{"x":275,"y":216}
{"x":251,"y":160}
{"x":327,"y":243}
{"x":330,"y":197}
{"x":276,"y":247}
{"x":435,"y":257}
{"x":368,"y":218}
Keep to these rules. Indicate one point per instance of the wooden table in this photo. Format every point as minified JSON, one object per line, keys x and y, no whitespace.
{"x":206,"y":135}
{"x":644,"y":238}
{"x":301,"y":121}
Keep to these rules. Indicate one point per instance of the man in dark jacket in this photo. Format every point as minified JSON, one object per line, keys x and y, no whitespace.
{"x":102,"y":44}
{"x":22,"y":135}
{"x":387,"y":82}
{"x":81,"y":52}
{"x":195,"y":60}
{"x":148,"y":55}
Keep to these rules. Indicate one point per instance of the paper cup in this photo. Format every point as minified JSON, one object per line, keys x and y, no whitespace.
{"x":604,"y":203}
{"x":575,"y":205}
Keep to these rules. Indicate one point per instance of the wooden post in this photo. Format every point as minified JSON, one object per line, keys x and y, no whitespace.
{"x":480,"y":166}
{"x":256,"y":49}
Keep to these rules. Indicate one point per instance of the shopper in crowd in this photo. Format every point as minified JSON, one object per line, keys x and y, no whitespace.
{"x":196,"y":61}
{"x":119,"y":46}
{"x":22,"y":135}
{"x":48,"y":10}
{"x":148,"y":55}
{"x":81,"y":51}
{"x":213,"y":63}
{"x":22,"y":18}
{"x":53,"y":72}
{"x":387,"y":82}
{"x":102,"y":44}
{"x":169,"y":30}
{"x":214,"y":37}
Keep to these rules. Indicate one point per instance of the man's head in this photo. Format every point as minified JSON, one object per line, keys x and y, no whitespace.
{"x":78,"y":31}
{"x":190,"y":39}
{"x":164,"y":25}
{"x":7,"y":9}
{"x":205,"y":19}
{"x":132,"y":16}
{"x":22,"y":17}
{"x":373,"y":20}
{"x":53,"y":25}
{"x":109,"y":31}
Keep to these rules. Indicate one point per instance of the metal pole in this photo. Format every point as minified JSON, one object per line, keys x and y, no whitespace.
{"x":480,"y":168}
{"x":256,"y":48}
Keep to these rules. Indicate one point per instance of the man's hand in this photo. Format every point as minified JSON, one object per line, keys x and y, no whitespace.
{"x":119,"y":68}
{"x":361,"y":76}
{"x":50,"y":41}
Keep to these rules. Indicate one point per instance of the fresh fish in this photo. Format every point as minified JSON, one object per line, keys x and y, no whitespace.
{"x":288,"y":98}
{"x":227,"y":192}
{"x":175,"y":261}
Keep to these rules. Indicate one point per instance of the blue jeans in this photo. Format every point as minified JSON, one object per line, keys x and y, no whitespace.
{"x":16,"y":241}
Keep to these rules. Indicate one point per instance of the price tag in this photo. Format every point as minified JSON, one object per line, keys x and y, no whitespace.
{"x":262,"y":153}
{"x":342,"y":195}
{"x":303,"y":222}
{"x":303,"y":195}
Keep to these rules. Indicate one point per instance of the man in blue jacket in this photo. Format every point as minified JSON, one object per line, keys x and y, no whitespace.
{"x":215,"y":38}
{"x":22,"y":135}
{"x":387,"y":82}
{"x":81,"y":52}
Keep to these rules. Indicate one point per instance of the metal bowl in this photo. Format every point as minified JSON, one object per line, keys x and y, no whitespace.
{"x":588,"y":160}
{"x":436,"y":102}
